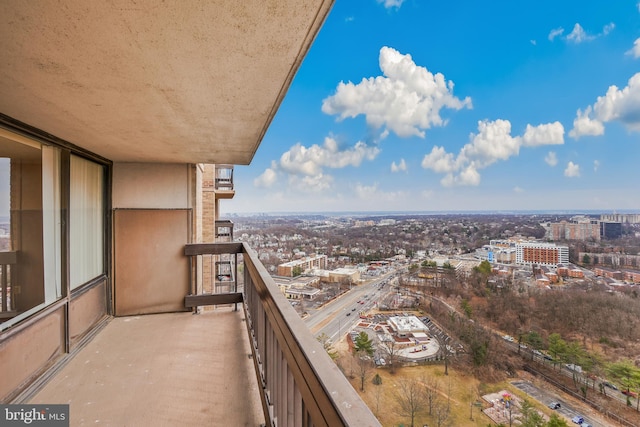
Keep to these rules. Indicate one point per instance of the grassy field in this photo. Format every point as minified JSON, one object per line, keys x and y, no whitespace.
{"x":456,"y":390}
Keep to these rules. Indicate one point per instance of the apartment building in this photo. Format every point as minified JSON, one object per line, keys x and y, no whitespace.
{"x":579,"y":228}
{"x":303,"y":264}
{"x":545,"y":254}
{"x":622,"y":218}
{"x":108,"y":116}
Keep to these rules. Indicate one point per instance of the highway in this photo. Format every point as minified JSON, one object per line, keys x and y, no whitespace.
{"x":340,"y":315}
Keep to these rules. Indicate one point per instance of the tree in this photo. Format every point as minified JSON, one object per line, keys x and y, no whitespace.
{"x":484,"y":268}
{"x":327,"y":345}
{"x":410,"y":399}
{"x":628,"y":375}
{"x":363,"y":344}
{"x":364,"y":367}
{"x":556,"y":421}
{"x":296,"y":271}
{"x":586,"y":259}
{"x":431,"y":393}
{"x":530,"y":416}
{"x":575,"y":355}
{"x":534,"y":340}
{"x":557,"y":347}
{"x":466,"y":307}
{"x":441,"y":413}
{"x":377,"y":380}
{"x":390,"y":349}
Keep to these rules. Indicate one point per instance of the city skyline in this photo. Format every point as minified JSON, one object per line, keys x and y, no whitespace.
{"x":421,"y":106}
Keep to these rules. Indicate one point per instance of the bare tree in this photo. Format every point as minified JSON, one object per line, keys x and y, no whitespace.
{"x":431,"y":386}
{"x":410,"y":398}
{"x":364,"y":367}
{"x":378,"y":382}
{"x":391,"y":351}
{"x":441,"y":413}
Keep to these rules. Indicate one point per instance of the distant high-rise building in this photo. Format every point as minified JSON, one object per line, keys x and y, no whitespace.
{"x":610,"y":230}
{"x":623,"y":218}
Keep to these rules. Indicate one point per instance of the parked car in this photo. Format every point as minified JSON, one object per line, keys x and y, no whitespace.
{"x":610,"y":385}
{"x":554,"y":405}
{"x":578,"y":419}
{"x":572,"y":367}
{"x":629,"y":393}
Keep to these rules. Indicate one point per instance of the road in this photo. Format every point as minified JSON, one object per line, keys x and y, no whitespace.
{"x":342,"y":314}
{"x":546,"y":397}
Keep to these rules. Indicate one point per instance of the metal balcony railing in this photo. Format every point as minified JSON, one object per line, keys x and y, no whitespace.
{"x":224,"y":177}
{"x":224,"y":231}
{"x":301,"y":386}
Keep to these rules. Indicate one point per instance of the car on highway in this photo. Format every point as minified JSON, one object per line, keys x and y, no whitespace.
{"x":610,"y":385}
{"x":629,"y":393}
{"x":578,"y":419}
{"x":349,"y":314}
{"x":554,"y":405}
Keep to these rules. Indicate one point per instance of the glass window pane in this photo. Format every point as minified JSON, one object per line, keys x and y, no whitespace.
{"x":86,"y":217}
{"x":23,"y":173}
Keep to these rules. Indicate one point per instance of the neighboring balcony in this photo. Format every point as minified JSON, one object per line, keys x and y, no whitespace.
{"x":224,"y":231}
{"x":223,"y":182}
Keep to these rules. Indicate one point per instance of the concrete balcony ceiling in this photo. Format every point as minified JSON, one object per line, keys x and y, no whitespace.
{"x":194,"y":81}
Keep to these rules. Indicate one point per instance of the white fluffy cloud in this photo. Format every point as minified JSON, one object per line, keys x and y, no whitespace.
{"x":311,"y":183}
{"x":388,"y":4}
{"x":635,"y":50}
{"x":305,"y":165}
{"x":596,"y":165}
{"x":555,"y":33}
{"x":584,"y":125}
{"x":545,"y":134}
{"x":400,"y":167}
{"x":266,"y":179}
{"x":621,"y":105}
{"x":407,"y":100}
{"x":551,"y":159}
{"x":578,"y":34}
{"x":310,"y":161}
{"x":373,"y":192}
{"x":572,"y":170}
{"x":492,"y":143}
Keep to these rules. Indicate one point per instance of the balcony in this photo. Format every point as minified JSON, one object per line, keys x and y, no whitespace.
{"x":250,"y":361}
{"x":223,"y":181}
{"x":224,"y":231}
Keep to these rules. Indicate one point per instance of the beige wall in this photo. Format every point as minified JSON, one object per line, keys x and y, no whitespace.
{"x":151,"y":186}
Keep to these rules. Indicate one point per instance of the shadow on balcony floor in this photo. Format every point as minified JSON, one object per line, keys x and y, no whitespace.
{"x":174,"y":369}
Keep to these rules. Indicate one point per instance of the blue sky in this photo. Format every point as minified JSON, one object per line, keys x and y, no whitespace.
{"x":419,"y":105}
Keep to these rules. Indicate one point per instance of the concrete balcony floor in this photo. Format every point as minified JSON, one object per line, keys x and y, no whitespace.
{"x":175,"y":369}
